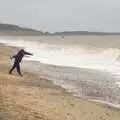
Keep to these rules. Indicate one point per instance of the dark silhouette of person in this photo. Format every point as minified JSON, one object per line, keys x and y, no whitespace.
{"x":18,"y":58}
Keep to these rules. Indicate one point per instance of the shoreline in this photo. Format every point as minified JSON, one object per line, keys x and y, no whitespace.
{"x":44,"y":100}
{"x":75,"y":94}
{"x":66,"y":91}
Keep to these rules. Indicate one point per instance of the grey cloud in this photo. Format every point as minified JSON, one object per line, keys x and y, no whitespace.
{"x":58,"y":15}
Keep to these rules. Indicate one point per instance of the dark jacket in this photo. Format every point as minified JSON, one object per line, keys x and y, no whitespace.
{"x":18,"y":57}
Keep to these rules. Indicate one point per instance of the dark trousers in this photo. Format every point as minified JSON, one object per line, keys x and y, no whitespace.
{"x":17,"y":66}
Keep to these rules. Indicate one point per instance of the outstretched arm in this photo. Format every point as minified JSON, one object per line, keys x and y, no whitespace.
{"x":27,"y":53}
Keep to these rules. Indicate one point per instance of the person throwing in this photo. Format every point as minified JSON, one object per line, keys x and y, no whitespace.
{"x":18,"y":58}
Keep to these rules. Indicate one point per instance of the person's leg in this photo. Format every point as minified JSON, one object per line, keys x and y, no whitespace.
{"x":18,"y":69}
{"x":14,"y":65}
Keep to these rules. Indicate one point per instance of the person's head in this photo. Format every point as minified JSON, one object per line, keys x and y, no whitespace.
{"x":22,"y":50}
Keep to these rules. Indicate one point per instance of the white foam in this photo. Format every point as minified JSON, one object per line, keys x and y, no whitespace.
{"x":115,"y":105}
{"x":73,"y":56}
{"x":118,"y":83}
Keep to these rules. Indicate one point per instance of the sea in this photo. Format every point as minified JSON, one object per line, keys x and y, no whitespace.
{"x":87,"y":66}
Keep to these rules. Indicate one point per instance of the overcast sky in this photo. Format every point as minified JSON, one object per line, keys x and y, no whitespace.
{"x":61,"y":15}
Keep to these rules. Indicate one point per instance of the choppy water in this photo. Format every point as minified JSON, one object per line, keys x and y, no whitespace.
{"x":88,"y":66}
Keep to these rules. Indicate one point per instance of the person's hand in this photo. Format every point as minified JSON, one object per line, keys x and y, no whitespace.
{"x":10,"y":57}
{"x":31,"y":54}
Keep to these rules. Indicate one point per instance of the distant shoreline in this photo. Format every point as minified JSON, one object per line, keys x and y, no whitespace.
{"x":15,"y":30}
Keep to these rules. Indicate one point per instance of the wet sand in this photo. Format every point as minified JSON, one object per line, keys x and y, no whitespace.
{"x":32,"y":97}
